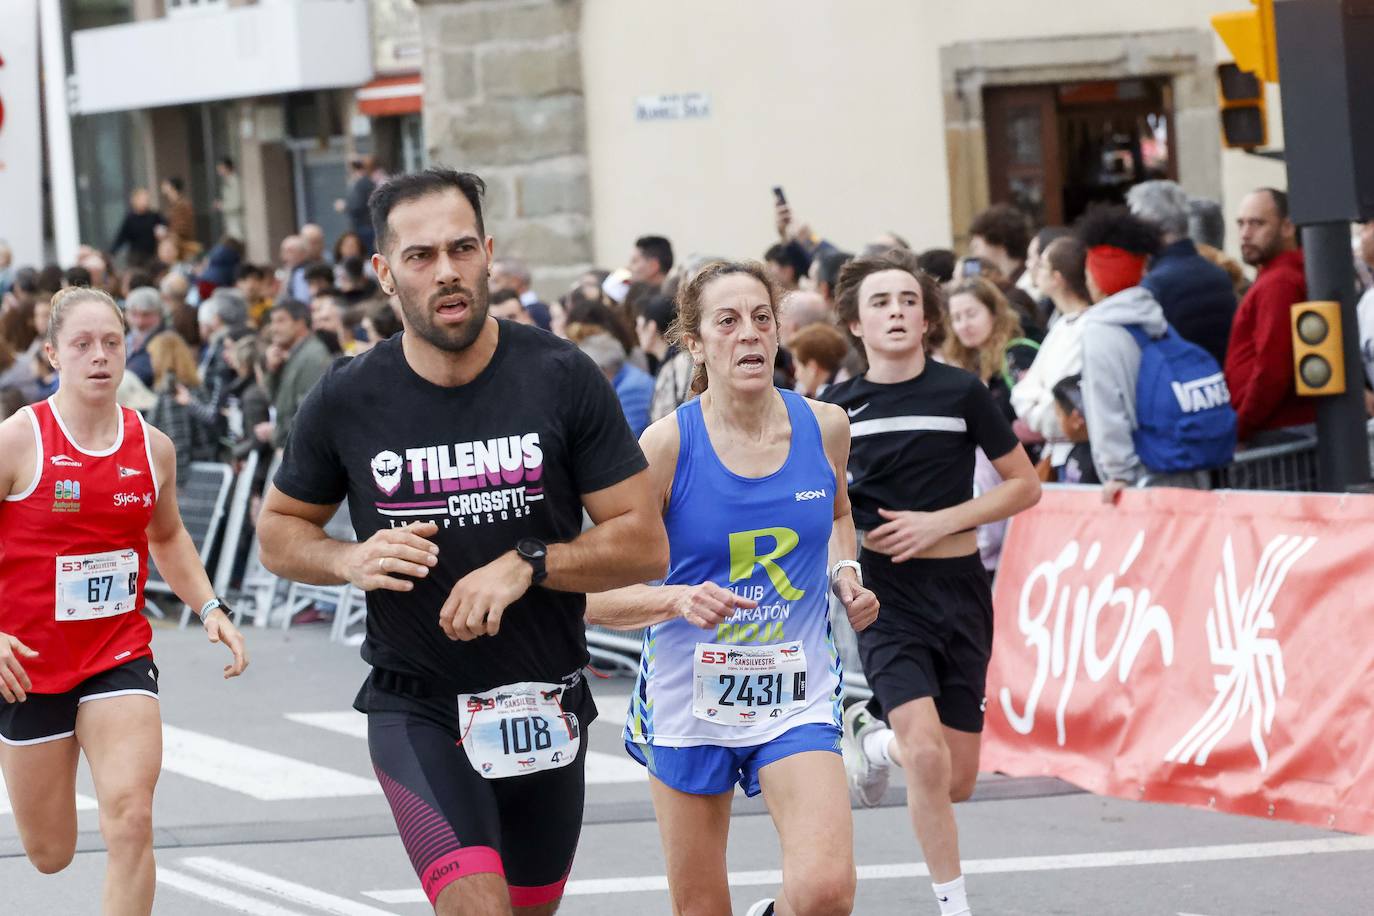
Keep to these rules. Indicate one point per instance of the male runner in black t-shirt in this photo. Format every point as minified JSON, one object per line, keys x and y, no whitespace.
{"x":467,"y":449}
{"x":914,"y":427}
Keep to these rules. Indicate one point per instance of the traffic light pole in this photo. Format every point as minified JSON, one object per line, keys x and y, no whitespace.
{"x":1342,"y":443}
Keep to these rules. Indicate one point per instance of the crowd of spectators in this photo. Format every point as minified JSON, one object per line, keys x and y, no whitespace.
{"x":1057,"y":321}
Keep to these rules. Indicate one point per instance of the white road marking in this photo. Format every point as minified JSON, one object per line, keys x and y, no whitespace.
{"x":405,"y":895}
{"x":606,"y":769}
{"x":221,"y":897}
{"x":613,"y":707}
{"x":257,"y":773}
{"x":1135,"y":857}
{"x":350,"y":723}
{"x":271,"y":885}
{"x":602,"y":768}
{"x":83,"y":802}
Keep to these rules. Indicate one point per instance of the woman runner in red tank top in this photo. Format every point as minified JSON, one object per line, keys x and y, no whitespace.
{"x":89,"y":489}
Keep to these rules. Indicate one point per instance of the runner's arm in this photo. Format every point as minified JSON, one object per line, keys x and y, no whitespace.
{"x":1018,"y":491}
{"x":860,"y":604}
{"x":834,"y":423}
{"x":171,"y":547}
{"x":627,"y":542}
{"x":16,"y":473}
{"x":292,"y":543}
{"x":17,"y":455}
{"x":636,"y":606}
{"x":169,"y":542}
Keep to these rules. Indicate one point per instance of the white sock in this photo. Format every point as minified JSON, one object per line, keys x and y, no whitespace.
{"x":952,"y":897}
{"x":878,"y":746}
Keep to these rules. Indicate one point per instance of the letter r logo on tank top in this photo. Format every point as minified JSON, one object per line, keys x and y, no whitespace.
{"x":744,"y":556}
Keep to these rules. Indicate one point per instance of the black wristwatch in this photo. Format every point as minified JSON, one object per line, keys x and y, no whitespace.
{"x":534,"y":551}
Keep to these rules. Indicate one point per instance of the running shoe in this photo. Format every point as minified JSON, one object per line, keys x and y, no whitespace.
{"x":867,"y":777}
{"x":762,"y":908}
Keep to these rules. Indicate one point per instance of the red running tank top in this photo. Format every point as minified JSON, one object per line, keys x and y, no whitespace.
{"x":74,"y":552}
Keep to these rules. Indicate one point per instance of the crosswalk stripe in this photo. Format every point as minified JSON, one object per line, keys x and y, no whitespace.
{"x":350,"y":723}
{"x":83,"y":802}
{"x":1014,"y":865}
{"x":257,"y":773}
{"x":602,"y":768}
{"x":271,"y":885}
{"x":613,"y":707}
{"x":221,"y":897}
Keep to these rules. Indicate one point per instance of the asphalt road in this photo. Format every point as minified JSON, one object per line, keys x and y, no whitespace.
{"x":268,"y":806}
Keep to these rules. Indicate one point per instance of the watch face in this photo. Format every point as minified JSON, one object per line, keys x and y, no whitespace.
{"x":532,"y":548}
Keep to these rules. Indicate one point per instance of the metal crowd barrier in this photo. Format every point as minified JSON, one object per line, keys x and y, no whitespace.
{"x":1288,"y":466}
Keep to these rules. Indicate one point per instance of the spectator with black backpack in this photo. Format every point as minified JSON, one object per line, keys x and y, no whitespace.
{"x":1153,"y":402}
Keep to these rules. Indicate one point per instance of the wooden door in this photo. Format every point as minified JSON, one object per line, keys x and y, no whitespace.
{"x":1023,"y":150}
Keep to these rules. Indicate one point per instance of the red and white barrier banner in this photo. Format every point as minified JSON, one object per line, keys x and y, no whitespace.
{"x":1214,"y":649}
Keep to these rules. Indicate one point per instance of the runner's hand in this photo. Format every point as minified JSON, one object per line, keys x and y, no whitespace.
{"x":708,"y":605}
{"x":860,"y":604}
{"x":905,"y":534}
{"x":221,"y":629}
{"x":476,"y":604}
{"x":1111,"y":491}
{"x":14,"y":681}
{"x":392,"y":553}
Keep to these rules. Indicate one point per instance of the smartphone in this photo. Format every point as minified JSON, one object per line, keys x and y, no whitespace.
{"x":779,"y":196}
{"x":973,"y":267}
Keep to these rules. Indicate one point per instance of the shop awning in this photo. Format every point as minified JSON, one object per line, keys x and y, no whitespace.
{"x":388,"y":96}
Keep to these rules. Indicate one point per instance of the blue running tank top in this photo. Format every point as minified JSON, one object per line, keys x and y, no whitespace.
{"x":767,"y":669}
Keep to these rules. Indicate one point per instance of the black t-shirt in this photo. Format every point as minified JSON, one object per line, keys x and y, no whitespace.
{"x":912,"y":443}
{"x":1078,"y":467}
{"x":504,"y":457}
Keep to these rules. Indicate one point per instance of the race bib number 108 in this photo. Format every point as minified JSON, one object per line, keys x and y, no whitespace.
{"x":518,"y":729}
{"x":736,"y":685}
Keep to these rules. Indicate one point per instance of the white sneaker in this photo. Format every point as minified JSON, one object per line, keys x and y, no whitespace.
{"x":762,"y":908}
{"x":867,"y":777}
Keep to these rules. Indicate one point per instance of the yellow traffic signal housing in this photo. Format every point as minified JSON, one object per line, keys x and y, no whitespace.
{"x":1318,"y":360}
{"x":1244,"y":123}
{"x":1250,"y":36}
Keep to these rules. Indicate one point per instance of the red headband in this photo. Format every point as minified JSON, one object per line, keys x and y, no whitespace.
{"x":1114,"y":269}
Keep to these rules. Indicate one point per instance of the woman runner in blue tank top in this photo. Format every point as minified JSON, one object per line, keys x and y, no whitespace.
{"x":740,"y":679}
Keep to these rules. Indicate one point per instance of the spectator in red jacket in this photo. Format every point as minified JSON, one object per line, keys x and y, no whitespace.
{"x":1259,"y":358}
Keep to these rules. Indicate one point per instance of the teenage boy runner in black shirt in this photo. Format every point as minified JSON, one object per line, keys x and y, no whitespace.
{"x":467,"y":449}
{"x":914,"y":426}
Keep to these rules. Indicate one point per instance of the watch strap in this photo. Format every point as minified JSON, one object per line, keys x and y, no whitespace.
{"x":847,"y":564}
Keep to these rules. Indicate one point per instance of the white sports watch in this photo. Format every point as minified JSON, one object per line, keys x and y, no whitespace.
{"x":212,"y":605}
{"x":847,"y":564}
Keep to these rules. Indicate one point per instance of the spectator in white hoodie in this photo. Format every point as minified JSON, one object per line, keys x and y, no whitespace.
{"x":1062,"y":276}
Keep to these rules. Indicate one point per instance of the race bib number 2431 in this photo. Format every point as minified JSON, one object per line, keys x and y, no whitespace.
{"x":738,"y":685}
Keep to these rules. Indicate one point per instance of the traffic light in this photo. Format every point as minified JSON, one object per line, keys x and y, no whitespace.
{"x":1318,"y":362}
{"x":1244,"y":124}
{"x":1250,"y":36}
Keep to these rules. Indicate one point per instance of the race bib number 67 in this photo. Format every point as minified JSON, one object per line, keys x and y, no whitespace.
{"x":738,"y":685}
{"x":95,"y":585}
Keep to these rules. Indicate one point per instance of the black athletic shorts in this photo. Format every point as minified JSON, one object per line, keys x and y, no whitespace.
{"x":932,"y":638}
{"x":453,"y":821}
{"x":47,"y":717}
